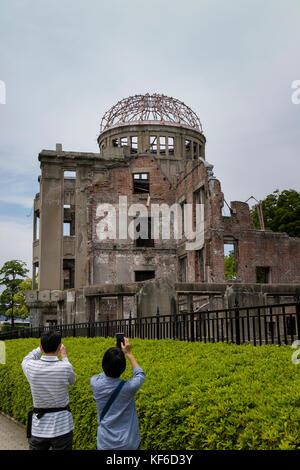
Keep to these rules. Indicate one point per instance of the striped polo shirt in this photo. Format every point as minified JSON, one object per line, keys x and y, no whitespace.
{"x":49,"y":380}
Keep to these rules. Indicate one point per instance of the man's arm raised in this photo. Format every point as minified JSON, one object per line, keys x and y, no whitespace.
{"x":126,"y":348}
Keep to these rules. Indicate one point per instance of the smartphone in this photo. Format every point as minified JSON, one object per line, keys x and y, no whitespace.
{"x":120,"y":339}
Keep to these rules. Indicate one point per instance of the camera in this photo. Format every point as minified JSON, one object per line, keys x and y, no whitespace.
{"x":120,"y":339}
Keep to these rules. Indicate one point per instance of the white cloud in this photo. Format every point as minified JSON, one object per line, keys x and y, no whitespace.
{"x":21,"y":200}
{"x":18,"y":188}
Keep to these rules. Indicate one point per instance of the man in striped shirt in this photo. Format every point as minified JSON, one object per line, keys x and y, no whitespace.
{"x":49,"y":379}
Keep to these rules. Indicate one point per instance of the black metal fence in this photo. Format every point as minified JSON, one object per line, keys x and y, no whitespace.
{"x":264,"y":324}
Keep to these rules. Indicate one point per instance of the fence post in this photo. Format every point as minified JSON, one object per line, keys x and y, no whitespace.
{"x":192,"y":324}
{"x":157,"y":324}
{"x":175,"y":325}
{"x":140,"y":328}
{"x":298,"y":311}
{"x":129,"y":326}
{"x":91,"y":329}
{"x":74,"y":328}
{"x":107,"y":326}
{"x":237,"y":322}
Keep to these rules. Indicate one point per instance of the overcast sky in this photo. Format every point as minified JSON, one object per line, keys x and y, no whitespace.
{"x":65,"y":62}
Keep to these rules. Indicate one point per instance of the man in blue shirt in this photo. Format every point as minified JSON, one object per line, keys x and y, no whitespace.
{"x":119,"y":428}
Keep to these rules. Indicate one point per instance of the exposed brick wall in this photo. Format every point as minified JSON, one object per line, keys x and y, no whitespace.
{"x":254,"y":248}
{"x":116,"y":260}
{"x":267,"y":249}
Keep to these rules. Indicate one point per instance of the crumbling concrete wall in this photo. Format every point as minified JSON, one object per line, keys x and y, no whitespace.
{"x":158,"y":295}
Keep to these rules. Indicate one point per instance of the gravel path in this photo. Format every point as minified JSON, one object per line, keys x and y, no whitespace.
{"x":12,"y":435}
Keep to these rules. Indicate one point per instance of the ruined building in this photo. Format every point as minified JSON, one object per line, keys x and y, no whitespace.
{"x":151,"y":151}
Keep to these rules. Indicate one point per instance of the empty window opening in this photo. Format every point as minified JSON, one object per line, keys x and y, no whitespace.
{"x":171,"y":145}
{"x":144,"y":275}
{"x":36,"y":225}
{"x":141,"y":183}
{"x":35,"y":273}
{"x":67,"y":229}
{"x":188,"y":147}
{"x":262,"y":274}
{"x":162,"y":145}
{"x":153,"y":144}
{"x":200,"y":266}
{"x":69,"y":221}
{"x":183,"y":269}
{"x":143,"y":232}
{"x":69,"y":175}
{"x":68,"y":273}
{"x":225,"y":210}
{"x":198,"y":208}
{"x":183,"y":219}
{"x":123,"y":141}
{"x":115,"y":143}
{"x":196,"y":200}
{"x":230,"y":260}
{"x":195,"y":150}
{"x":133,"y":144}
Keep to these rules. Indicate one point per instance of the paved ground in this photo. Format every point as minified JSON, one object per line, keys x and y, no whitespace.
{"x":12,"y":435}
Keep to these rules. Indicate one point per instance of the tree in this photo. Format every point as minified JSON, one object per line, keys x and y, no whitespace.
{"x":19,"y":298}
{"x":230,"y":266}
{"x":12,"y":274}
{"x":281,"y":212}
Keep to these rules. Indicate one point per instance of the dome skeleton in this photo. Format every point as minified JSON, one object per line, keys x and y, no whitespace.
{"x":139,"y":108}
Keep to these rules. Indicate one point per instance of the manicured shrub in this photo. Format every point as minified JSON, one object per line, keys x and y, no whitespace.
{"x":196,"y":396}
{"x":6,"y":328}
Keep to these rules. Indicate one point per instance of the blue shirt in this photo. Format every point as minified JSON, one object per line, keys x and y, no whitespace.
{"x":119,"y":429}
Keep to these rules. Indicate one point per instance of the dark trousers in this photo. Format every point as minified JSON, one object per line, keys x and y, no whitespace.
{"x":63,"y":442}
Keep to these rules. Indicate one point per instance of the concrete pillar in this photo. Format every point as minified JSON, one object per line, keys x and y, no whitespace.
{"x":35,"y":317}
{"x":51,"y":227}
{"x":190,"y":302}
{"x":120,"y":307}
{"x":81,"y":260}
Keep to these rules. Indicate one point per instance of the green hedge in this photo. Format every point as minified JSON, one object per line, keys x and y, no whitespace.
{"x":5,"y":328}
{"x":196,"y":396}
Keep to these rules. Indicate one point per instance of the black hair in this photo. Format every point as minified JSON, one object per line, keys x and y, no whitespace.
{"x":114,"y":362}
{"x":50,"y":340}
